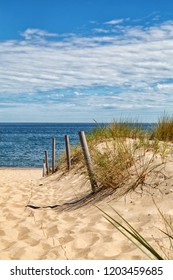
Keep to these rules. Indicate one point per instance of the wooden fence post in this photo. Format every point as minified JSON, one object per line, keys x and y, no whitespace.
{"x":53,"y":154}
{"x":67,"y":146}
{"x":44,"y":168}
{"x":88,"y":161}
{"x":47,"y":162}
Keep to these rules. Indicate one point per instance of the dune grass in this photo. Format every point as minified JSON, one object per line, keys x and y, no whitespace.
{"x":115,"y":130}
{"x":122,"y":153}
{"x":123,"y":157}
{"x":127,"y":158}
{"x":164,"y":129}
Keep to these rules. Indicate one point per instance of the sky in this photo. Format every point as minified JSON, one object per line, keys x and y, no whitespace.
{"x":85,"y":60}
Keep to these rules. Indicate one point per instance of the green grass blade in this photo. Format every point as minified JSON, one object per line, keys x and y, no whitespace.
{"x":128,"y":237}
{"x":133,"y":233}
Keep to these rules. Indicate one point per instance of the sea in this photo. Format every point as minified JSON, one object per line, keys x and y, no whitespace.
{"x":24,"y":144}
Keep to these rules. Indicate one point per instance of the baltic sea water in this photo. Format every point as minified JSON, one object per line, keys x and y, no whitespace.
{"x":23,"y":144}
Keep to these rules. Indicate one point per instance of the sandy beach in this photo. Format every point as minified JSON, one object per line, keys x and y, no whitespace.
{"x":58,"y":224}
{"x":86,"y":99}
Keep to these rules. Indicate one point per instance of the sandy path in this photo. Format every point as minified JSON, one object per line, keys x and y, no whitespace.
{"x":82,"y":233}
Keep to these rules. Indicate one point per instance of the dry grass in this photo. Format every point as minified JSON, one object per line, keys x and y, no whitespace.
{"x":125,"y":161}
{"x":164,"y":129}
{"x":123,"y":158}
{"x":122,"y":154}
{"x":115,"y":130}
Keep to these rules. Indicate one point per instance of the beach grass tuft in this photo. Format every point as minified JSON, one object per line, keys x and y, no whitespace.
{"x":122,"y":154}
{"x":164,"y":129}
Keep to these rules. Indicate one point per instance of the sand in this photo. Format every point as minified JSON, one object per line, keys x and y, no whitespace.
{"x":73,"y":231}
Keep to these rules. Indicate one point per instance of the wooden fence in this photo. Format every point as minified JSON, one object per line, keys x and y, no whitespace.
{"x":86,"y":154}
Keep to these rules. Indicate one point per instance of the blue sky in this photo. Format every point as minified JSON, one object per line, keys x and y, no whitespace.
{"x":75,"y":61}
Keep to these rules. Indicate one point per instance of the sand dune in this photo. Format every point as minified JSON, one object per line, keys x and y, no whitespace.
{"x":73,"y":231}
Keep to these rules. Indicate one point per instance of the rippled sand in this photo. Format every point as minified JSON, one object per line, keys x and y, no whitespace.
{"x":71,"y":231}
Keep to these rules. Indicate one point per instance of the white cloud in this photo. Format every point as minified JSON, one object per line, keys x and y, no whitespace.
{"x":30,"y":33}
{"x":115,"y":21}
{"x":134,"y":59}
{"x":165,"y":87}
{"x":101,"y":30}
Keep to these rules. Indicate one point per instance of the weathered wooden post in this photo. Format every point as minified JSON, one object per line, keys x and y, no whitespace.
{"x":53,"y":154}
{"x":44,"y":168}
{"x":88,"y":161}
{"x":47,"y":162}
{"x":67,"y":147}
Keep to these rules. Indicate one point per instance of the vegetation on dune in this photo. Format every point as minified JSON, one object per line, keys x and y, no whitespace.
{"x":121,"y":129}
{"x":122,"y":153}
{"x":164,"y":129}
{"x":123,"y":156}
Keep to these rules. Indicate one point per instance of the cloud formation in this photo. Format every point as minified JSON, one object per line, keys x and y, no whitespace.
{"x":117,"y":66}
{"x":31,"y":33}
{"x":115,"y":21}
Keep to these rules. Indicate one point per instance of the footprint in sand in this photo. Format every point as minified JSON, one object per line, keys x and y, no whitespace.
{"x":2,"y":232}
